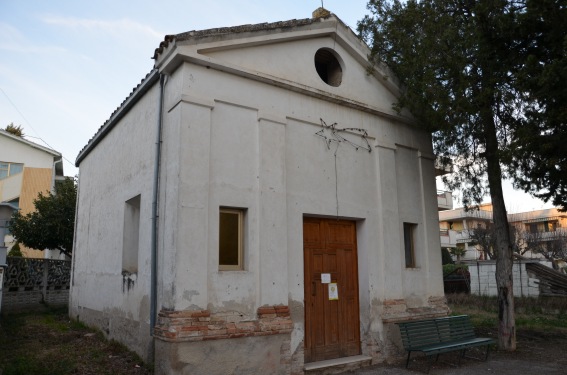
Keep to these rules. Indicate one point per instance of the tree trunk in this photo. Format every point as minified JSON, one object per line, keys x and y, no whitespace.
{"x":504,"y":251}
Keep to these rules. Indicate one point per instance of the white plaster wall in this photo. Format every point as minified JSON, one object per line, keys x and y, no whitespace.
{"x":294,"y":62}
{"x":120,"y":168}
{"x":251,"y":145}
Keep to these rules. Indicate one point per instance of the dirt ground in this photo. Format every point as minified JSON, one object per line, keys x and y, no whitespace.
{"x":51,"y":344}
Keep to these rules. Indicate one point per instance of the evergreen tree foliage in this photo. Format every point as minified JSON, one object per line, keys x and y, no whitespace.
{"x":476,"y":73}
{"x":538,"y":143}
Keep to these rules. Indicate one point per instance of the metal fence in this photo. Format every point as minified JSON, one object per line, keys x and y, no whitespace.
{"x":31,"y":282}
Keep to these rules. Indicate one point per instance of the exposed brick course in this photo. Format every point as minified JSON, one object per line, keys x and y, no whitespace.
{"x":198,"y":325}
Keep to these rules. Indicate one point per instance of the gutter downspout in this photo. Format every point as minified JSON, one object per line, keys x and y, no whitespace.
{"x":53,"y":173}
{"x":155,"y":201}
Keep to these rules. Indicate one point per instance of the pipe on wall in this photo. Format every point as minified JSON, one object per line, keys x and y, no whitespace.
{"x":155,"y":207}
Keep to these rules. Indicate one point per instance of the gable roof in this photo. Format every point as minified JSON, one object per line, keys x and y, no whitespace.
{"x":167,"y":58}
{"x":29,"y":143}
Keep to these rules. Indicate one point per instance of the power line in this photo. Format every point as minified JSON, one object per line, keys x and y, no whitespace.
{"x":336,"y":137}
{"x":32,"y":128}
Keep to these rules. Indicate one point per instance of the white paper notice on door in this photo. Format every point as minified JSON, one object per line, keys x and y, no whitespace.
{"x":333,"y":292}
{"x":325,"y":278}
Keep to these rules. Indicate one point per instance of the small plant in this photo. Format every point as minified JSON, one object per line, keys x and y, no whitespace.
{"x":15,"y":130}
{"x":446,"y":256}
{"x":15,"y":251}
{"x":458,"y":252}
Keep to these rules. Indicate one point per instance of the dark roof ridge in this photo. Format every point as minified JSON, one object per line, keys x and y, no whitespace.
{"x":195,"y":34}
{"x":143,"y":86}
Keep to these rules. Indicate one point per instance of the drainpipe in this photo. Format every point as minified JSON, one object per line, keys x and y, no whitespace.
{"x":53,"y":175}
{"x":154,"y":239}
{"x":47,"y":252}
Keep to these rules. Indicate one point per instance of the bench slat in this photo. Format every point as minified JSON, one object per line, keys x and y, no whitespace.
{"x":440,"y":335}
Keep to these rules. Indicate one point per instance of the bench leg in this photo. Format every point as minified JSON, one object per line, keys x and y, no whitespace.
{"x":461,"y":355}
{"x":487,"y":353}
{"x":430,"y":362}
{"x":407,"y":361}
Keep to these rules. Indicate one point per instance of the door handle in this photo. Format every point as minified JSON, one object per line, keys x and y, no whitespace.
{"x":313,"y":288}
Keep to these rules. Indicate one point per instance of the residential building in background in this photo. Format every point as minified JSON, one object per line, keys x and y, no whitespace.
{"x":544,"y":231}
{"x":539,"y":239}
{"x":457,"y":225}
{"x":26,"y":169}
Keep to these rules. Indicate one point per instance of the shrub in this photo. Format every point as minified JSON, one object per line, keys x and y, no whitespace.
{"x":450,"y":268}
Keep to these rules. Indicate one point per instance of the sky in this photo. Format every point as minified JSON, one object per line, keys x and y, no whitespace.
{"x":66,"y":65}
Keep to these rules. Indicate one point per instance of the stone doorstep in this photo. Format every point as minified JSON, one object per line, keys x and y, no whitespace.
{"x":342,"y":364}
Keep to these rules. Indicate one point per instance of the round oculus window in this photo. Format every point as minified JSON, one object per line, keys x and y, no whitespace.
{"x":329,"y":67}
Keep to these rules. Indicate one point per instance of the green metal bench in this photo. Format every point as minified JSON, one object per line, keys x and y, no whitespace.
{"x":441,"y":335}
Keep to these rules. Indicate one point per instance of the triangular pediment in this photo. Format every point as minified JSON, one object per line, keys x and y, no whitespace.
{"x":321,"y":55}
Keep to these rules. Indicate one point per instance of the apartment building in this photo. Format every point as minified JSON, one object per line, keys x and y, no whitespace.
{"x":539,"y":229}
{"x":26,"y":169}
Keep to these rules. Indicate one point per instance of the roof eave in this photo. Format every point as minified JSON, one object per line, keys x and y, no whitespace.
{"x":50,"y":151}
{"x":152,"y":78}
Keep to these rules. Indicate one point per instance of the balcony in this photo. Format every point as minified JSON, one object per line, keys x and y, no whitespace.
{"x":460,"y":214}
{"x":558,"y":234}
{"x":448,"y":238}
{"x":444,"y":200}
{"x":463,"y":236}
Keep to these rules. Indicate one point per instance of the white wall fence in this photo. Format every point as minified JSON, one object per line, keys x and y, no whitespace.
{"x":483,"y":278}
{"x":30,"y":282}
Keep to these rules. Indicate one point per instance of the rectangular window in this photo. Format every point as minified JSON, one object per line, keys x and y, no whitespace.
{"x":16,"y":168}
{"x":131,"y":235}
{"x":231,"y":233}
{"x":409,"y":244}
{"x":4,"y":168}
{"x":10,"y":169}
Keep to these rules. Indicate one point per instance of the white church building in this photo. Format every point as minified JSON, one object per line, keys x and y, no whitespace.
{"x":256,"y":206}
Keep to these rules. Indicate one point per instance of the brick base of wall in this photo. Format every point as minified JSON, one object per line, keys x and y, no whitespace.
{"x":396,"y":310}
{"x":198,"y":325}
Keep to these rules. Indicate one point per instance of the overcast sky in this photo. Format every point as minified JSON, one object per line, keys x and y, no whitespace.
{"x":66,"y":65}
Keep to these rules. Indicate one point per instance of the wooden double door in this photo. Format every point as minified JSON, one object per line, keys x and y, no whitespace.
{"x":332,"y":327}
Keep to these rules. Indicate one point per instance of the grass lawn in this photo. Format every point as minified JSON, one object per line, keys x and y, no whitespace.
{"x":545,"y":314}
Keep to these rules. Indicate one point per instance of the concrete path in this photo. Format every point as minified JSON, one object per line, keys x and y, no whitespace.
{"x":492,"y":366}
